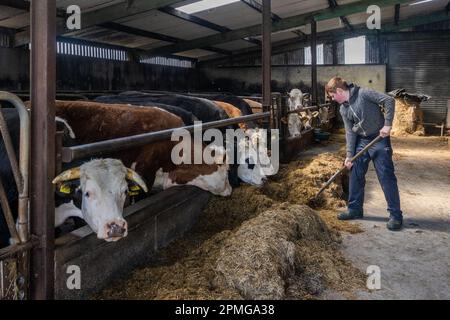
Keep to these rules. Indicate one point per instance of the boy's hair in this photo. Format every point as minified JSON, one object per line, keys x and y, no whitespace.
{"x":334,"y":83}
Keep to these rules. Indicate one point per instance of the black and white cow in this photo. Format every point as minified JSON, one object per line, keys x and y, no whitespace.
{"x":207,"y":111}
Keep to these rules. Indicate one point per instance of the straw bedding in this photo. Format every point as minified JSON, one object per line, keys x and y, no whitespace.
{"x":260,"y":243}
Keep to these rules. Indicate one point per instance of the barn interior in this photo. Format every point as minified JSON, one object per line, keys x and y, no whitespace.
{"x":268,"y":241}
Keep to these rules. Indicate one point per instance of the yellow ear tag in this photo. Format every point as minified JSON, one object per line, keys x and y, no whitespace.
{"x":64,"y":189}
{"x":135,"y":188}
{"x":131,"y":193}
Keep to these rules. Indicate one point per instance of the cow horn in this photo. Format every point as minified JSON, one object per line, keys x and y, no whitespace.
{"x":315,"y":114}
{"x":70,"y":174}
{"x":134,"y":176}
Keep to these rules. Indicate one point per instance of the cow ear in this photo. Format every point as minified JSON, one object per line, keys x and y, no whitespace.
{"x":67,"y":188}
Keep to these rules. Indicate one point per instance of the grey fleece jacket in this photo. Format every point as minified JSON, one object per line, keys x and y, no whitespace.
{"x":362,"y":114}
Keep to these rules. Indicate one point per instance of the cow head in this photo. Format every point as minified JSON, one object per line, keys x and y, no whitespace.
{"x":102,"y":186}
{"x":295,"y":99}
{"x":324,"y":114}
{"x":308,"y":117}
{"x":306,"y":100}
{"x":254,"y":161}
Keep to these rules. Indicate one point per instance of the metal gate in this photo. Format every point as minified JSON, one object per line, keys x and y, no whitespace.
{"x":14,"y":258}
{"x":423,"y":67}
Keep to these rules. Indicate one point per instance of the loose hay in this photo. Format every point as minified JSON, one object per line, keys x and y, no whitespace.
{"x":301,"y":180}
{"x":264,"y":257}
{"x":258,"y":243}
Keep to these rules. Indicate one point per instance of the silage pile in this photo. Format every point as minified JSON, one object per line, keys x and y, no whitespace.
{"x":258,"y":243}
{"x":408,"y":119}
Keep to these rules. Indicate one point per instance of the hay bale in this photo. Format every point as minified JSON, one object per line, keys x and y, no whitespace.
{"x":259,"y":260}
{"x":408,"y":118}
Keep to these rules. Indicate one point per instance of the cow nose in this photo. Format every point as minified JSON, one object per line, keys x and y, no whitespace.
{"x":116,"y":230}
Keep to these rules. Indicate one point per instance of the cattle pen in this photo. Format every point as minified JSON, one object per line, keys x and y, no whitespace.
{"x":101,"y":80}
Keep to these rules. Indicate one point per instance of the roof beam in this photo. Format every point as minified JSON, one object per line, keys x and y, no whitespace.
{"x":191,"y":18}
{"x":397,"y":14}
{"x":283,"y":24}
{"x":25,"y":6}
{"x":333,"y":4}
{"x":391,"y":31}
{"x":110,"y":13}
{"x":16,"y":4}
{"x":153,"y":35}
{"x":258,"y":7}
{"x":201,"y":22}
{"x":138,"y":32}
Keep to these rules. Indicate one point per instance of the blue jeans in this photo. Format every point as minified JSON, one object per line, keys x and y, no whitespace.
{"x":381,"y":155}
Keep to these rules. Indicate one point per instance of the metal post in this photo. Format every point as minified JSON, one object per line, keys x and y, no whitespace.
{"x":314,"y":62}
{"x":266,"y":54}
{"x":335,"y":55}
{"x":58,"y":151}
{"x":43,"y":66}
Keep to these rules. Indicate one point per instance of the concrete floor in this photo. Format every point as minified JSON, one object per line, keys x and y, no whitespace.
{"x":415,"y":262}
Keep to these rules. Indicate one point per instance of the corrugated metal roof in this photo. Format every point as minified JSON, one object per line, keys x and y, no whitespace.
{"x":288,"y":8}
{"x":98,"y":34}
{"x":196,"y":53}
{"x":7,"y":12}
{"x":166,"y":24}
{"x":235,"y":45}
{"x":87,"y":5}
{"x":233,"y":16}
{"x":13,"y":18}
{"x":407,"y":11}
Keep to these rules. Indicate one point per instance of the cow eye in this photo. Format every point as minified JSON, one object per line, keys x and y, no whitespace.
{"x":87,"y":194}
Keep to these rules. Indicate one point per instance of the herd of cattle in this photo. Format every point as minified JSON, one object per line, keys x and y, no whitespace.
{"x":96,"y":190}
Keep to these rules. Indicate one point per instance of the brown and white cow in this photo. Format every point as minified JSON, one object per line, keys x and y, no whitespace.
{"x":103,"y":182}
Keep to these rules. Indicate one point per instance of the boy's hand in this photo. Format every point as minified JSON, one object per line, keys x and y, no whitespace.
{"x":385,"y":131}
{"x":348,"y":164}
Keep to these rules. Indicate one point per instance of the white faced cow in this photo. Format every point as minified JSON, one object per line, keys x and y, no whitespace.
{"x":97,"y":191}
{"x":295,"y":102}
{"x":255,"y":163}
